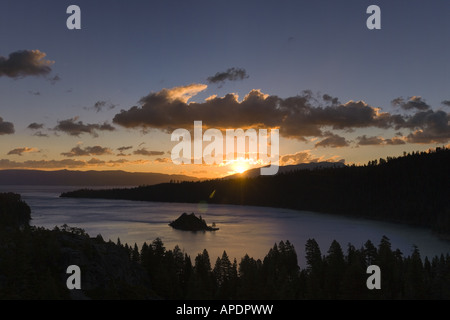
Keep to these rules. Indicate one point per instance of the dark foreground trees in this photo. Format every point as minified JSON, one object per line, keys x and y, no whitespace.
{"x":339,"y":274}
{"x":33,"y":263}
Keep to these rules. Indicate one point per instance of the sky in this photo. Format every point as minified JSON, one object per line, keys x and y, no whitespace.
{"x":109,"y":95}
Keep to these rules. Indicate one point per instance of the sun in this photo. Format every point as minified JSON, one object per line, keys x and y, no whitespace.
{"x":240,"y":166}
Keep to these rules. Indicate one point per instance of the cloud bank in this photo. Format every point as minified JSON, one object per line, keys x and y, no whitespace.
{"x":298,"y":117}
{"x":145,"y":152}
{"x":76,"y":128}
{"x":66,"y":163}
{"x":332,"y":140}
{"x":88,"y":151}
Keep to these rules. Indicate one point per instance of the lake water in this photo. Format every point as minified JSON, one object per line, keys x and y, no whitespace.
{"x":252,"y":230}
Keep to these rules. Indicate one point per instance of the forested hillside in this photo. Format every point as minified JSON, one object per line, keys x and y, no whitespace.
{"x":33,"y":263}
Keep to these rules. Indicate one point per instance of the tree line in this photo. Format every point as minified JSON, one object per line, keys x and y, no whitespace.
{"x":338,"y":274}
{"x":35,"y":269}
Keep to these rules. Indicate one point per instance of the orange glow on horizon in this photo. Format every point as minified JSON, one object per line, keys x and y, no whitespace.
{"x":240,"y":165}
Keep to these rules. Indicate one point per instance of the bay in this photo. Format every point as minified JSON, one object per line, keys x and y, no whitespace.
{"x":243,"y":229}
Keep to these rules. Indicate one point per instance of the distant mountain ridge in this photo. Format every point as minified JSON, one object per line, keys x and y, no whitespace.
{"x":87,"y":178}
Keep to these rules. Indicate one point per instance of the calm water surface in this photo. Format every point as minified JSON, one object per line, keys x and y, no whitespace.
{"x":252,"y":230}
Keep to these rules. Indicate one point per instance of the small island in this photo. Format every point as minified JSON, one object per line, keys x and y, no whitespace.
{"x":189,"y":222}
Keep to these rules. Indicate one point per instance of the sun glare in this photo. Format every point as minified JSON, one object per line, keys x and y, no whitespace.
{"x":240,"y":166}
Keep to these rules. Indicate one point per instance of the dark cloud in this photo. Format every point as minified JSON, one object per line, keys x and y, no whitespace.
{"x":35,"y":126}
{"x":342,"y":116}
{"x":75,"y":128}
{"x":395,"y":141}
{"x":369,"y":141}
{"x":378,"y":141}
{"x":54,"y":80}
{"x":414,"y":102}
{"x":6,"y":127}
{"x":88,"y":151}
{"x":446,"y":103}
{"x":95,"y":161}
{"x":436,"y":130}
{"x":168,"y":109}
{"x":34,"y":93}
{"x":122,"y":149}
{"x":301,"y":116}
{"x":332,"y":140}
{"x":430,"y":127}
{"x":328,"y":98}
{"x":100,"y":106}
{"x":125,"y":148}
{"x":40,"y":134}
{"x":20,"y":151}
{"x":25,"y":63}
{"x":232,"y":74}
{"x":145,"y":152}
